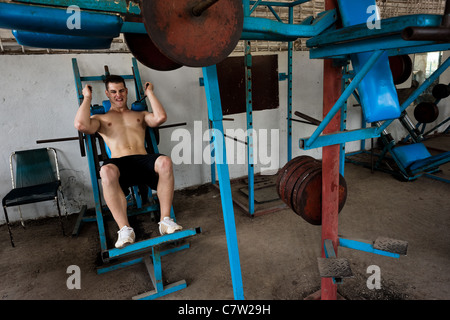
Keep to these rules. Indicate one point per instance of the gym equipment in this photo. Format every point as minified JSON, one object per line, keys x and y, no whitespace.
{"x":401,"y":68}
{"x":426,"y":112}
{"x":36,"y":179}
{"x":441,"y":91}
{"x":53,"y":20}
{"x":150,"y":250}
{"x":145,"y":51}
{"x":299,"y":185}
{"x":377,"y":92}
{"x":439,"y":33}
{"x":58,"y":41}
{"x":328,"y":40}
{"x":368,"y":49}
{"x":341,"y":43}
{"x":194,"y":28}
{"x":194,"y":36}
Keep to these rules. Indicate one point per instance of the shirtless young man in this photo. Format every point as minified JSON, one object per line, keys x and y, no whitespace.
{"x":123,"y":131}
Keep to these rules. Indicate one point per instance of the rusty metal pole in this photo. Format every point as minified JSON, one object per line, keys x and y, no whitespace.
{"x":332,"y":77}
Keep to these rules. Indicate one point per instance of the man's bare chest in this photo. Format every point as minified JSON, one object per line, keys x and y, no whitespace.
{"x":124,"y":120}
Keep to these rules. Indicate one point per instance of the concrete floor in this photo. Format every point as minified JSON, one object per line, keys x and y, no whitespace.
{"x":278,"y":251}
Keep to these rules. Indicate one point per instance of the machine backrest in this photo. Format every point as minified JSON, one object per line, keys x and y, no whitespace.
{"x":378,"y":95}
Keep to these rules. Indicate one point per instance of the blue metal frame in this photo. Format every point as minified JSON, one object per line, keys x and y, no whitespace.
{"x":215,"y":117}
{"x":254,"y":28}
{"x":118,"y":6}
{"x":316,"y":140}
{"x":266,"y":29}
{"x":330,"y":139}
{"x":249,"y":118}
{"x":289,"y":91}
{"x":366,"y":247}
{"x":404,"y":172}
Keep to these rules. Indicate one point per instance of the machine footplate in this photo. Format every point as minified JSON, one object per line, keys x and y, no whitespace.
{"x":334,"y":267}
{"x":391,"y":245}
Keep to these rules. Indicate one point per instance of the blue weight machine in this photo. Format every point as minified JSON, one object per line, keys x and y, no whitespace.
{"x":148,"y":251}
{"x":368,"y":49}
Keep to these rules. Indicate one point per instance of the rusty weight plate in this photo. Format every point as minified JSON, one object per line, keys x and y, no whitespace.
{"x":307,"y":196}
{"x":297,"y":174}
{"x":401,"y":68}
{"x":282,"y":171}
{"x":145,"y":51}
{"x":194,"y":41}
{"x":287,"y":172}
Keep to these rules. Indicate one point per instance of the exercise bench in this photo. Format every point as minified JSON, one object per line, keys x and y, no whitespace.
{"x":147,"y":251}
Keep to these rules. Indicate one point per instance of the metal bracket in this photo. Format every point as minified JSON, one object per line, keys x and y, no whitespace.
{"x":382,"y":246}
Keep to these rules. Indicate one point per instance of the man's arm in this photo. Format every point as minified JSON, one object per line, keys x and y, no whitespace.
{"x":83,"y":121}
{"x":158,"y":116}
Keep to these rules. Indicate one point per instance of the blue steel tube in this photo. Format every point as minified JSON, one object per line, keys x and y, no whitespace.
{"x":345,"y":95}
{"x":55,"y":21}
{"x":249,"y":117}
{"x":216,"y":116}
{"x":289,"y":92}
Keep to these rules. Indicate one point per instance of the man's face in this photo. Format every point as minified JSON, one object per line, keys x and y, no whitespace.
{"x":117,"y":94}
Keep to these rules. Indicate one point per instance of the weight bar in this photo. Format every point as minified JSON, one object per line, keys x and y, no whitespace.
{"x":308,"y":118}
{"x":57,"y":140}
{"x":441,"y":33}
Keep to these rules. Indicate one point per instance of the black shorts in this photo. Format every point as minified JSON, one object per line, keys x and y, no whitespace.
{"x":136,"y":170}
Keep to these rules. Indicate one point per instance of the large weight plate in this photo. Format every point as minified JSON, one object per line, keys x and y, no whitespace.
{"x":190,"y":40}
{"x":401,"y":68}
{"x":298,"y":175}
{"x":145,"y":51}
{"x":282,"y":174}
{"x":426,"y":112}
{"x":307,"y":196}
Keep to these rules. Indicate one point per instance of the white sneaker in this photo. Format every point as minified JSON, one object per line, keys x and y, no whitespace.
{"x":126,"y":236}
{"x":167,"y":226}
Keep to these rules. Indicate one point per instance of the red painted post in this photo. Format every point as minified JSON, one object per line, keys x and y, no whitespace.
{"x":332,"y":76}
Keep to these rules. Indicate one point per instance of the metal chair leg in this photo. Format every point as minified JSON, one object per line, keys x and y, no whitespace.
{"x":63,"y":200}
{"x":60,"y":217}
{"x":9,"y":227}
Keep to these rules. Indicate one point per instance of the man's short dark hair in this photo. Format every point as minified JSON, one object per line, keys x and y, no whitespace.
{"x":114,"y":79}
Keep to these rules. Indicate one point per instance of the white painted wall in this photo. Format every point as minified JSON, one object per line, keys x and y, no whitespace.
{"x":38,"y":101}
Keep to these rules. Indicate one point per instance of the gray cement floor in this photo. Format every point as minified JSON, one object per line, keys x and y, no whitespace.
{"x":278,"y":251}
